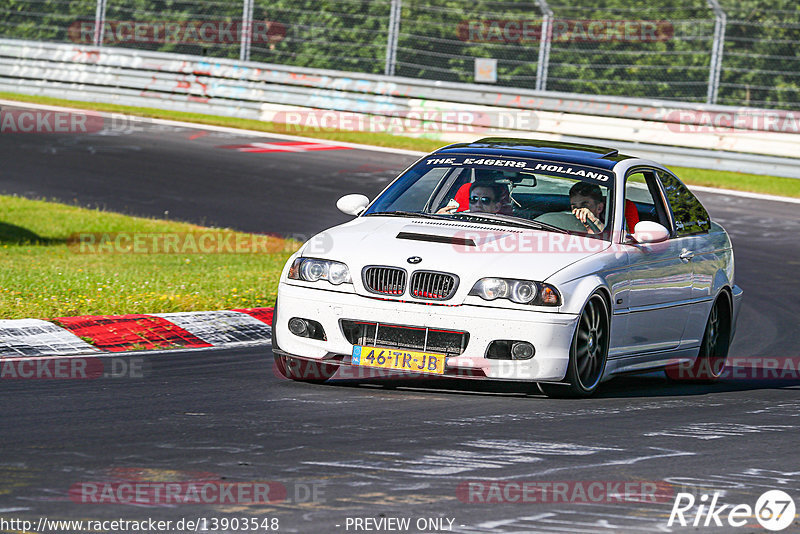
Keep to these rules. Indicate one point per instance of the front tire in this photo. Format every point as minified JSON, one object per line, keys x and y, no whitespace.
{"x":303,"y":370}
{"x":588,"y":352}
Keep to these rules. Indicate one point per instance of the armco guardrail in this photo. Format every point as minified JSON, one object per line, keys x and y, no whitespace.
{"x":741,"y":139}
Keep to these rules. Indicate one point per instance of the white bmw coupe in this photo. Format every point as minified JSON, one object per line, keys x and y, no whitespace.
{"x":513,"y":259}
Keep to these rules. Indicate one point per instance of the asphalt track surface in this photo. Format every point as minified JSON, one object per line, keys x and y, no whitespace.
{"x":373,"y":449}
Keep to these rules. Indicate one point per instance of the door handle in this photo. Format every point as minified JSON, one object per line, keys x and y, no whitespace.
{"x":686,"y":255}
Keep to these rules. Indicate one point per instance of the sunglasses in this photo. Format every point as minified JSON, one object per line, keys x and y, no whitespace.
{"x":483,"y":200}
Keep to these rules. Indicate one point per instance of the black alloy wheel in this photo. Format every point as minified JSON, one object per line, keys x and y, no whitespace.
{"x":588,"y":353}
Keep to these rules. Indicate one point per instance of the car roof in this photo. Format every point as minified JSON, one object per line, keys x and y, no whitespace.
{"x":595,"y":156}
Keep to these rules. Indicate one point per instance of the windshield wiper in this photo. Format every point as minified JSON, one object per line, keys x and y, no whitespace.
{"x":407,"y":214}
{"x":496,"y":217}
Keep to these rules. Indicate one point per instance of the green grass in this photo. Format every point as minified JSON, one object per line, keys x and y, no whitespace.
{"x":43,"y":276}
{"x":772,"y":185}
{"x":756,"y":183}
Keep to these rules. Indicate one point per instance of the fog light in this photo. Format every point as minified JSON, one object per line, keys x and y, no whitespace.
{"x":307,"y":328}
{"x":522,"y":350}
{"x":298,"y":327}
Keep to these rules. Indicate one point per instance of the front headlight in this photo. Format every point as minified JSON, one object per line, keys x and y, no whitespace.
{"x":519,"y":291}
{"x":523,"y":291}
{"x":491,"y":288}
{"x":311,"y":270}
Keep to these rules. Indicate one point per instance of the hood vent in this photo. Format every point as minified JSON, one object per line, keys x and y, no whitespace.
{"x":468,"y":226}
{"x":449,"y":240}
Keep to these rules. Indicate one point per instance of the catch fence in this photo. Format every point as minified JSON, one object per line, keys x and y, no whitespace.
{"x":728,"y":52}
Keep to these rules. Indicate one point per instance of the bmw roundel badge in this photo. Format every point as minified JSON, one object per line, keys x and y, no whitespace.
{"x":414,"y":260}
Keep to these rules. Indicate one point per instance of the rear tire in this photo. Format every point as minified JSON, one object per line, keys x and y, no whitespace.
{"x":710,"y":362}
{"x":588,"y":353}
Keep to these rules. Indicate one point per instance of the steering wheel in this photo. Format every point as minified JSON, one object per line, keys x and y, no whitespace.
{"x":565,"y":220}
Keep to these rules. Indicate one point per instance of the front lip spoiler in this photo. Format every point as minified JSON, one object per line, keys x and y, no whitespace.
{"x":343,"y":360}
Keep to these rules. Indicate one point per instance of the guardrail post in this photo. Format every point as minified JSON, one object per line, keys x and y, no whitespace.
{"x":391,"y":41}
{"x":715,"y":68}
{"x":544,"y":45}
{"x":246,"y":30}
{"x":99,"y":22}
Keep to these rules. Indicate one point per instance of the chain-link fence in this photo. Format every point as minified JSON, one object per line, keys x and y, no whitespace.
{"x":735,"y":52}
{"x":761,"y":60}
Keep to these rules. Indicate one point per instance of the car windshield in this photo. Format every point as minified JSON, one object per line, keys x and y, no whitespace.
{"x":504,"y":190}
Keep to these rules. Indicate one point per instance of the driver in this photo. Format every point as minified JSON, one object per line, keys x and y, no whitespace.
{"x":587,"y":203}
{"x":484,"y":197}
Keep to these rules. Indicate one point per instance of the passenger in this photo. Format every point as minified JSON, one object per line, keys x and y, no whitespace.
{"x":588,"y":204}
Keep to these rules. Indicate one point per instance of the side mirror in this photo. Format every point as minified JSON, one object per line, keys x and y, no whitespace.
{"x":352,"y":204}
{"x":650,"y":232}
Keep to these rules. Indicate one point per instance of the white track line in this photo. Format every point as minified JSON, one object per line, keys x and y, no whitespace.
{"x":210,"y":127}
{"x":130,"y":353}
{"x":256,"y":133}
{"x":746,"y":194}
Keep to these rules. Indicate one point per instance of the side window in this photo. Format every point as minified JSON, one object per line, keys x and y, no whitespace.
{"x":690,"y":216}
{"x":643,"y":200}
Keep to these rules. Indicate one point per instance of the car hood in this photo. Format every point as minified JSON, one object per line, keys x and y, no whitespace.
{"x":470,"y":251}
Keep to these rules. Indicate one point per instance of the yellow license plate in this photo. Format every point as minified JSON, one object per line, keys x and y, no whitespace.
{"x":399,"y":359}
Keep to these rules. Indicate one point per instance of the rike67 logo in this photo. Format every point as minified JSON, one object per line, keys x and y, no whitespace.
{"x":774,"y":510}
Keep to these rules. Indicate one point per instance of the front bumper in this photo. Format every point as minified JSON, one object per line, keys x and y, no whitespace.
{"x":738,"y":295}
{"x":550,"y":333}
